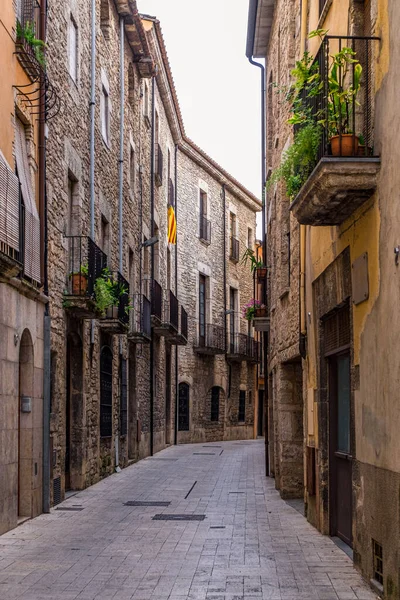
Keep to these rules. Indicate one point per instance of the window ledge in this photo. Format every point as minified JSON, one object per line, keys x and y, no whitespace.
{"x":378,"y":587}
{"x":284,"y":294}
{"x":204,"y":242}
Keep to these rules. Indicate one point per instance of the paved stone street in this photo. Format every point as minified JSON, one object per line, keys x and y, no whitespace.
{"x":250,"y":545}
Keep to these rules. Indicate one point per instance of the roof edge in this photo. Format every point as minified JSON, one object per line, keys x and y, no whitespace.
{"x":251,"y":27}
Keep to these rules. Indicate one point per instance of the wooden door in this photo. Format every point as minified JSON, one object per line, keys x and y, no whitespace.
{"x":340,"y":446}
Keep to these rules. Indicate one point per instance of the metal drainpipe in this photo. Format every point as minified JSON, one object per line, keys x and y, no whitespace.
{"x":265,"y":254}
{"x":153,"y":109}
{"x":121,"y":183}
{"x":176,"y":292}
{"x":44,"y":265}
{"x":92,"y":114}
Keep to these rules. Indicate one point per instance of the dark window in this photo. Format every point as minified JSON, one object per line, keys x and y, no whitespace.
{"x":123,"y":406}
{"x":242,"y":406}
{"x":183,"y":418}
{"x":378,"y":562}
{"x":202,"y":309}
{"x":106,"y":360}
{"x":232,"y":308}
{"x":215,"y":404}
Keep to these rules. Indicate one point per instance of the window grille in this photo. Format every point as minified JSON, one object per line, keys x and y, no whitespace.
{"x":106,"y":360}
{"x":378,"y":561}
{"x":183,"y":418}
{"x":123,"y":409}
{"x":242,"y":406}
{"x":215,"y":404}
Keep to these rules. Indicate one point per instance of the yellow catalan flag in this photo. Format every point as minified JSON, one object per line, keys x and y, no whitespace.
{"x":171,"y":226}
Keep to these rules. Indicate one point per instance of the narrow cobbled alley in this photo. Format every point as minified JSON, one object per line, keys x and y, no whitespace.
{"x":198,"y":521}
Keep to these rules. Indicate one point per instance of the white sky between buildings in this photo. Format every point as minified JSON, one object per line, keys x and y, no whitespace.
{"x":218,"y":89}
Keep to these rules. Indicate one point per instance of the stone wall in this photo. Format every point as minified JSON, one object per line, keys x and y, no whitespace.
{"x":285,"y":422}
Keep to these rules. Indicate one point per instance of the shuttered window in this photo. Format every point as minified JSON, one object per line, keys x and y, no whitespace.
{"x":9,"y":210}
{"x":106,"y":360}
{"x":215,"y":403}
{"x":31,"y":216}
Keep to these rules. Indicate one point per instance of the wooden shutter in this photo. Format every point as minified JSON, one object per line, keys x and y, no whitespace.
{"x":32,"y":224}
{"x":9,"y":208}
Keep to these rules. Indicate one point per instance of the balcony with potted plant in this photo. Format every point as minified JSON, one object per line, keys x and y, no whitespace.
{"x":255,"y":311}
{"x":331,"y":167}
{"x":113,"y":302}
{"x":243,"y":347}
{"x":86,"y":263}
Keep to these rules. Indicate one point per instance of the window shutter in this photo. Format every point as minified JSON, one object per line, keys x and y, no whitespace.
{"x":32,"y":225}
{"x":9,"y":208}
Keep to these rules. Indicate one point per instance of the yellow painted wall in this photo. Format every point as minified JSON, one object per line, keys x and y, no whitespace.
{"x":12,"y":74}
{"x":361,"y":233}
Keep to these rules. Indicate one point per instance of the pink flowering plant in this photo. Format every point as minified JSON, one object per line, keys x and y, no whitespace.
{"x":249,"y":309}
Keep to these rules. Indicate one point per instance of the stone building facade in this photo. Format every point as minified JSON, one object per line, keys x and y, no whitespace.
{"x":22,"y":266}
{"x":346,"y":279}
{"x":116,"y":367}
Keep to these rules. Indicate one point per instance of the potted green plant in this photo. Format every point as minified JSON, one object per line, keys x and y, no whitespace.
{"x":108,"y":293}
{"x":79,"y":281}
{"x":27,"y":34}
{"x":256,"y":264}
{"x":342,"y":96}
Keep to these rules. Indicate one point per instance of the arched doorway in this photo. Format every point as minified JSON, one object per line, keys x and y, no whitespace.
{"x":74,"y":415}
{"x":25,"y":425}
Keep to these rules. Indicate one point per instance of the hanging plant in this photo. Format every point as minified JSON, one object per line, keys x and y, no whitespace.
{"x":249,"y":309}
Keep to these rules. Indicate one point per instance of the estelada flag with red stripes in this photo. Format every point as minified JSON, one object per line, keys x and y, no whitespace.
{"x":171,"y":226}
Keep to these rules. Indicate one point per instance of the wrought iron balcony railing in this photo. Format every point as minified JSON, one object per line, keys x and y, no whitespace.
{"x":172,"y":311}
{"x":244,"y":347}
{"x":86,"y":262}
{"x":234,"y":249}
{"x":140,"y":330}
{"x":211,"y":339}
{"x":116,"y":316}
{"x":345,"y":112}
{"x":205,"y":229}
{"x":156,"y":300}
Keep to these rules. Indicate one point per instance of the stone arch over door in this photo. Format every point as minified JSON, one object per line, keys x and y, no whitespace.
{"x":75,"y":428}
{"x":25,"y":425}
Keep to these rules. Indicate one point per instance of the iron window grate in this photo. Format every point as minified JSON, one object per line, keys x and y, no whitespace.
{"x":161,"y":517}
{"x":56,"y":490}
{"x":378,"y":561}
{"x":144,"y":503}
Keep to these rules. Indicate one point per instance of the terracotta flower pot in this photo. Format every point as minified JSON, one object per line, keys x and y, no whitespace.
{"x":261,"y":312}
{"x":79,"y":284}
{"x":261,"y":273}
{"x":344,"y":145}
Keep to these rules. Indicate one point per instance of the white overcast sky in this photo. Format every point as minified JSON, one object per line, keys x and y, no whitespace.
{"x":218,"y":89}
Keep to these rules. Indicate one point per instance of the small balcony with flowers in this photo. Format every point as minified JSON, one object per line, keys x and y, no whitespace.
{"x":256,"y":309}
{"x":332,"y":165}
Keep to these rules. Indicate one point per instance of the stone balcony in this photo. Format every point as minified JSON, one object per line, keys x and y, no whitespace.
{"x":335,"y":189}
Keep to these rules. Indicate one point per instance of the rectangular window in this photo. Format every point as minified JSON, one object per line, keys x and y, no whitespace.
{"x":132,"y":170}
{"x":242,"y":406}
{"x":202,"y":310}
{"x":73,"y":49}
{"x":234,"y":242}
{"x":184,"y":407}
{"x":215,"y":404}
{"x":105,"y":114}
{"x":146,"y":108}
{"x":105,"y":235}
{"x":250,"y":241}
{"x":378,"y":562}
{"x":205,"y":225}
{"x":232,"y":319}
{"x":123,"y":406}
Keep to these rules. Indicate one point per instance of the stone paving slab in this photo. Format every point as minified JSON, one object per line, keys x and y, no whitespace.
{"x":252,"y":545}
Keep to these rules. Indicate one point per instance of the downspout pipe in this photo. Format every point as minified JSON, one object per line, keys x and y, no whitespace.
{"x":92,"y":114}
{"x":249,"y":53}
{"x":44,"y":274}
{"x":176,"y":292}
{"x":121,"y":141}
{"x":152,"y":183}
